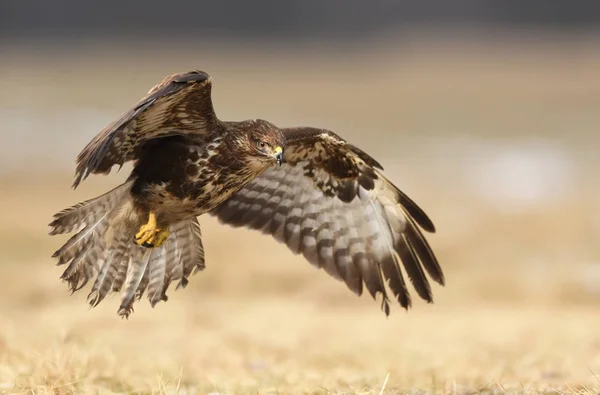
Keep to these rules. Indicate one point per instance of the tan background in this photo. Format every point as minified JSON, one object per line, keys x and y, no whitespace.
{"x":496,"y":138}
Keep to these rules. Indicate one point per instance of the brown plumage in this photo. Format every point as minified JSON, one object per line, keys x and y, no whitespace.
{"x":328,"y":201}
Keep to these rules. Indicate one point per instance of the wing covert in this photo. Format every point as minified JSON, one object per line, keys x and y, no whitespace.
{"x":331,"y":203}
{"x":180,"y":105}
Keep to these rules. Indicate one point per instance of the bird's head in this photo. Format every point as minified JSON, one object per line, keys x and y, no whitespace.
{"x":265,"y":144}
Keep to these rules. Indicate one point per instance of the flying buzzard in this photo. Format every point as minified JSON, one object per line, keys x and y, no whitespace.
{"x":307,"y":187}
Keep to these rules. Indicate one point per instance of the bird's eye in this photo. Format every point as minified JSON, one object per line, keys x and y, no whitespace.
{"x":262,"y":144}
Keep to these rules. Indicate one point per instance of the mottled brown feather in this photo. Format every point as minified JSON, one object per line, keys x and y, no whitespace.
{"x":180,"y":105}
{"x":331,"y":203}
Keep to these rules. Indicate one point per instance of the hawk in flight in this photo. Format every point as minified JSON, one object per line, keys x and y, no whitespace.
{"x":320,"y":195}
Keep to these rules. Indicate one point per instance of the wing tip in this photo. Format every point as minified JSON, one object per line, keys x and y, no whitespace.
{"x":441,"y":280}
{"x":79,"y":176}
{"x":195,"y":75}
{"x":427,"y":224}
{"x":415,"y":212}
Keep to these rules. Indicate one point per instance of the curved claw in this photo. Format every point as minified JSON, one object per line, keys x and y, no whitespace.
{"x":150,"y":236}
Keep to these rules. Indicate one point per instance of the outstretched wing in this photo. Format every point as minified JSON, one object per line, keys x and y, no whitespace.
{"x":179,"y":105}
{"x":330,"y":202}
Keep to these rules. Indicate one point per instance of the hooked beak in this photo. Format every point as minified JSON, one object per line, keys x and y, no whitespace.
{"x":278,"y":151}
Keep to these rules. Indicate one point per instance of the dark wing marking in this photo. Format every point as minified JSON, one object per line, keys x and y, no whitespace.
{"x":331,"y":203}
{"x":180,"y":105}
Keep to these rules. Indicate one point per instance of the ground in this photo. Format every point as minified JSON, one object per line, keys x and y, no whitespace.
{"x":259,"y":320}
{"x":519,"y":313}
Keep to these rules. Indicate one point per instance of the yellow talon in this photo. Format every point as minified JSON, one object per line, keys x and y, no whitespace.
{"x":150,"y":235}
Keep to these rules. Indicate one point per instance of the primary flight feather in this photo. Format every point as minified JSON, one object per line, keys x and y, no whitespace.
{"x":323,"y":197}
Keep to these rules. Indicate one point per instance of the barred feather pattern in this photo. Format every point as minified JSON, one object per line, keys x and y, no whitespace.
{"x":85,"y":251}
{"x":89,"y":212}
{"x":359,"y":229}
{"x":153,"y":270}
{"x":103,"y":251}
{"x":329,"y":201}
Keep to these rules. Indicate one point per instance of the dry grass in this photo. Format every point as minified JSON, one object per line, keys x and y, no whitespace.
{"x":268,"y":323}
{"x":517,"y":315}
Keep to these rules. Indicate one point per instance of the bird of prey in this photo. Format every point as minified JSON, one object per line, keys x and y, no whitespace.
{"x":320,"y":195}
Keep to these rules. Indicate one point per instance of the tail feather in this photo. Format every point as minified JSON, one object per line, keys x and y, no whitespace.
{"x":144,"y":283}
{"x":95,"y":296}
{"x":174,"y":270}
{"x":85,"y":250}
{"x":193,"y":256}
{"x":83,"y":266}
{"x":173,"y":253}
{"x":113,"y":258}
{"x":120,"y":268}
{"x":75,"y":275}
{"x":135,"y":274}
{"x":79,"y":242}
{"x":157,"y":276}
{"x":88,"y":212}
{"x":103,"y":251}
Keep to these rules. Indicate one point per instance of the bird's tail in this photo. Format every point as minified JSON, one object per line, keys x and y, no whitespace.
{"x":103,"y":250}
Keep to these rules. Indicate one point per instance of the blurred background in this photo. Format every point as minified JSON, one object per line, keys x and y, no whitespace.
{"x":486,"y":113}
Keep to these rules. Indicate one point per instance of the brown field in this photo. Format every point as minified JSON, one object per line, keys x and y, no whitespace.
{"x":521,"y":309}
